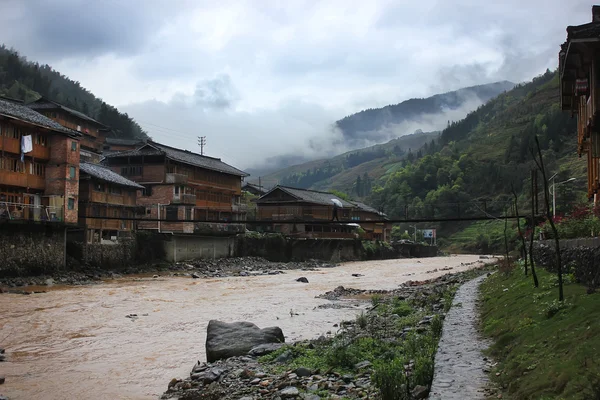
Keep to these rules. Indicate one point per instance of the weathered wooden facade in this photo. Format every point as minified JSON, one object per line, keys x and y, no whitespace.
{"x":91,"y":141}
{"x":182,"y":187}
{"x":113,"y":145}
{"x":284,"y":203}
{"x":579,"y":69}
{"x":104,"y":198}
{"x":40,"y":184}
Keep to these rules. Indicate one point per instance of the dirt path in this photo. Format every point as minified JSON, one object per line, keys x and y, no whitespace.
{"x":459,"y":362}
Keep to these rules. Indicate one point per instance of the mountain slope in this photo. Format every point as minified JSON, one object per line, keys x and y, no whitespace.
{"x":341,"y":172}
{"x":25,"y":80}
{"x":369,"y":122}
{"x":488,"y":153}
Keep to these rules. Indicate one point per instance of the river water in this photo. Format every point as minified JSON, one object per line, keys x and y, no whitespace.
{"x":77,"y":343}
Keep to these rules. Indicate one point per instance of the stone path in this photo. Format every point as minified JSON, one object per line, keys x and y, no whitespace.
{"x":459,"y":362}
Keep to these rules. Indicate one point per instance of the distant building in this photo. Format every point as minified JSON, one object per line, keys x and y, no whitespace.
{"x":41,"y":184}
{"x":313,"y":209}
{"x":91,"y":140}
{"x":104,"y":197}
{"x":579,"y":71}
{"x":182,"y":186}
{"x":254,"y":189}
{"x":113,"y":145}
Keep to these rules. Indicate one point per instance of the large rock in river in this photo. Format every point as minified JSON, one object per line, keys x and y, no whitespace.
{"x":224,"y":340}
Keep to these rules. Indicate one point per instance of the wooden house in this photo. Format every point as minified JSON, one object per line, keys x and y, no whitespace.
{"x":40,"y":184}
{"x":91,"y":140}
{"x":310,"y":214}
{"x":183,"y":187}
{"x":104,"y":197}
{"x":579,"y":70}
{"x":113,"y":144}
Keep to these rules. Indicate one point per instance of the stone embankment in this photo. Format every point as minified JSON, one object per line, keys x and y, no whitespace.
{"x":337,"y":366}
{"x":237,"y":266}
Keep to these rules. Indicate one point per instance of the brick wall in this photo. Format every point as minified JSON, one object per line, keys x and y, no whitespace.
{"x":58,"y":174}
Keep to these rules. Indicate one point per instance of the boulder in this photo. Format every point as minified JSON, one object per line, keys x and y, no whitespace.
{"x":420,"y":392}
{"x":302,"y":279}
{"x":224,"y":340}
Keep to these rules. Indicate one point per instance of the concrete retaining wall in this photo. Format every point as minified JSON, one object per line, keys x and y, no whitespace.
{"x":180,"y":247}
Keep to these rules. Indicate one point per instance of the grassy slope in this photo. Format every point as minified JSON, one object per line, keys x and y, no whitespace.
{"x":540,"y":357}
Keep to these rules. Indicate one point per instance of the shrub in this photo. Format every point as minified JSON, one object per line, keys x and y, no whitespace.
{"x":390,"y":378}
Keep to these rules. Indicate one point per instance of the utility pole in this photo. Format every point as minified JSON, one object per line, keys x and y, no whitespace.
{"x":201,"y":143}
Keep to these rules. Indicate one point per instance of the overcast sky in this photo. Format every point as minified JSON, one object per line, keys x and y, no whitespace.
{"x":262,"y":78}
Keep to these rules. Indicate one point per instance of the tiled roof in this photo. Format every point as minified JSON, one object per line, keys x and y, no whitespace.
{"x":24,"y":113}
{"x":585,"y":31}
{"x":311,"y":196}
{"x":123,"y":142}
{"x":45,"y":104}
{"x":367,"y":208}
{"x":105,"y":174}
{"x":184,"y":156}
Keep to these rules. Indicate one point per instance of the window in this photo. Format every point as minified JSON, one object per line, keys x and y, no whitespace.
{"x":131,"y":170}
{"x":115,"y":190}
{"x":37,"y":169}
{"x":188,"y":214}
{"x":73,"y":146}
{"x":99,"y":187}
{"x":72,"y":172}
{"x":148,"y":191}
{"x":172,"y":213}
{"x":40,"y":139}
{"x":148,"y":211}
{"x":71,"y":203}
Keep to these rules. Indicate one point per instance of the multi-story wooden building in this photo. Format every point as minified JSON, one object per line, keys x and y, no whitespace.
{"x":312,"y":208}
{"x":40,"y":184}
{"x":182,"y":187}
{"x":579,"y":69}
{"x":91,"y":141}
{"x":113,"y":145}
{"x":104,"y":198}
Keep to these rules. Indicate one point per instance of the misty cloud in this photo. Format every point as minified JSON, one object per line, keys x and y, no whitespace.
{"x":265,"y":80}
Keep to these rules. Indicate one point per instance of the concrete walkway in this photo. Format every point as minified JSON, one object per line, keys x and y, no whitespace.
{"x":459,"y":362}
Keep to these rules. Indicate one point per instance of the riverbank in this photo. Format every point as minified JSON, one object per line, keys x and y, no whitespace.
{"x":386,"y":351}
{"x":88,"y":333}
{"x":207,"y":268}
{"x":545,"y":349}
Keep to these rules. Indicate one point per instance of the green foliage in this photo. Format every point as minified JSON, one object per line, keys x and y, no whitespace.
{"x":341,"y":195}
{"x":25,"y":80}
{"x":401,"y":308}
{"x":391,"y":380}
{"x":545,"y":349}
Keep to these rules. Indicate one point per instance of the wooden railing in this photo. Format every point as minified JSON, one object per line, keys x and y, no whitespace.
{"x":12,"y":145}
{"x":176,"y":178}
{"x":109,"y":198}
{"x":21,"y":179}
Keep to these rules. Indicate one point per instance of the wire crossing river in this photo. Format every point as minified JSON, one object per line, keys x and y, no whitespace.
{"x":78,"y":343}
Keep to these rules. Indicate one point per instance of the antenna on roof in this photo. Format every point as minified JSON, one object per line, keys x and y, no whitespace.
{"x":202,"y":143}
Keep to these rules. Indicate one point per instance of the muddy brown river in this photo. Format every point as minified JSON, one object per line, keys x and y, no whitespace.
{"x":77,"y":343}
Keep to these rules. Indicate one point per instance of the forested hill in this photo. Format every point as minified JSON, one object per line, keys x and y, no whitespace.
{"x":26,"y":80}
{"x":487,"y":153}
{"x":369,"y":122}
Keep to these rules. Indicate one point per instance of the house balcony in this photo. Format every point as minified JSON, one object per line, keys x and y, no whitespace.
{"x":23,"y":180}
{"x":12,"y":145}
{"x":184,"y":199}
{"x":176,"y":178}
{"x":30,"y":212}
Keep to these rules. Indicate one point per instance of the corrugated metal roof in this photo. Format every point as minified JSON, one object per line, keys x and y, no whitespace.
{"x":105,"y":174}
{"x":23,"y":113}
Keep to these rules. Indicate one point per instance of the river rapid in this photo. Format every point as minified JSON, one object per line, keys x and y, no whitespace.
{"x":78,"y":343}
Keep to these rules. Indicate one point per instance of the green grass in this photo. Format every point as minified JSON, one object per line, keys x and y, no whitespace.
{"x":482,"y":237}
{"x":545,"y":350}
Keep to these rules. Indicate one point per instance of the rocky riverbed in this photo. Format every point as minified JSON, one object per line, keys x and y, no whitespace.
{"x":346,"y":364}
{"x":236,"y":266}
